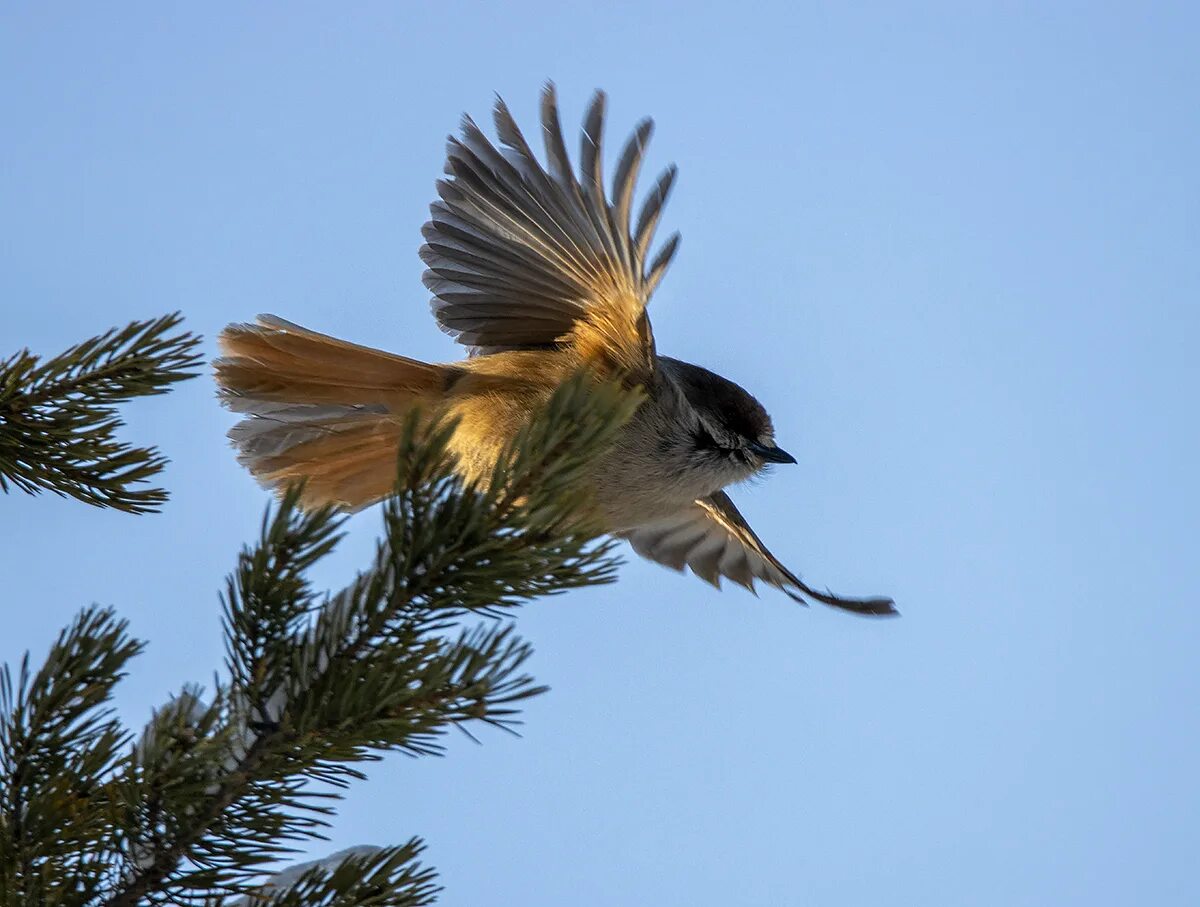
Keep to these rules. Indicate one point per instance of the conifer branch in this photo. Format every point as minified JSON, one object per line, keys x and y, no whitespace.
{"x":218,"y":790}
{"x":58,"y":420}
{"x":360,"y":876}
{"x":59,"y":747}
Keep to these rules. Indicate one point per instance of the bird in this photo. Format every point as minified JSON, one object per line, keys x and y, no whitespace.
{"x":540,"y":274}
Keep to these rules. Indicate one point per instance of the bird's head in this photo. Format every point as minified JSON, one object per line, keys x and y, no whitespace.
{"x":733,"y":434}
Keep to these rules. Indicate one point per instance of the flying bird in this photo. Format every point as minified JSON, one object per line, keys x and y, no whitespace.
{"x":539,"y":273}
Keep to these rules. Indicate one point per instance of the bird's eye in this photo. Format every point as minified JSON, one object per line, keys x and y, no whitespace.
{"x":705,"y":441}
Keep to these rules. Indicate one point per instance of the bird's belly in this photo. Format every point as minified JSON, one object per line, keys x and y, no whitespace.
{"x":648,"y":474}
{"x":634,"y":491}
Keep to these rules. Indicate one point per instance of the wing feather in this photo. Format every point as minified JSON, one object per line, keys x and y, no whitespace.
{"x":714,"y":540}
{"x":625,"y":180}
{"x":521,"y":256}
{"x":662,"y":260}
{"x":651,"y":212}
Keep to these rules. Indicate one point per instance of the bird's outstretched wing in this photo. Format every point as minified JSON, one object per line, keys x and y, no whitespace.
{"x":715,"y":541}
{"x":525,"y":257}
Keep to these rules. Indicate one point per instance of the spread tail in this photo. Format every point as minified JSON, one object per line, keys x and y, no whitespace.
{"x":319,"y":409}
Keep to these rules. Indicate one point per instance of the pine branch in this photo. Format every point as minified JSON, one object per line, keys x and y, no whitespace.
{"x":218,"y":791}
{"x":388,"y":877}
{"x":59,"y":745}
{"x":58,"y":421}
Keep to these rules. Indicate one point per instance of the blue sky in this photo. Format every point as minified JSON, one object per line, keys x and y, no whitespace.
{"x":954,"y":250}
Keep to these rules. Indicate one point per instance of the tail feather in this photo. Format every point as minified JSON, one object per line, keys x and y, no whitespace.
{"x":351,"y":465}
{"x":277,"y":361}
{"x":320,"y":410}
{"x":275,"y":428}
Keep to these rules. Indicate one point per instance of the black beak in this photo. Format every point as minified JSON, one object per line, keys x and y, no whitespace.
{"x":770,"y":454}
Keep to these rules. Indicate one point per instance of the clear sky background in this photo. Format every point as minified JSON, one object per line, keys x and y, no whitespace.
{"x":954,"y":250}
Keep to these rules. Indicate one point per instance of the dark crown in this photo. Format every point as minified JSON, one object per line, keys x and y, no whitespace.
{"x":721,"y":400}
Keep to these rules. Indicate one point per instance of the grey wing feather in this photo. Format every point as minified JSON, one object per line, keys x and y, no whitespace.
{"x":624,"y":182}
{"x":651,"y":211}
{"x":714,"y":540}
{"x":658,"y":267}
{"x":519,"y":256}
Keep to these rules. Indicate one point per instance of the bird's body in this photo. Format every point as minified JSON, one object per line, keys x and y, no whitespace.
{"x":542,"y":276}
{"x":640,"y":477}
